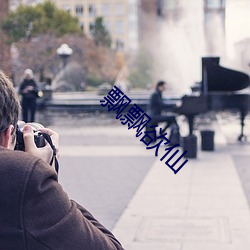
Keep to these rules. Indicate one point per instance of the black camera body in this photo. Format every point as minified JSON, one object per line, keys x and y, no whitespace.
{"x":38,"y":138}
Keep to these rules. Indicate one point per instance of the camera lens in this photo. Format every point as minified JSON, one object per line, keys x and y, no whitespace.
{"x":38,"y":137}
{"x":35,"y":125}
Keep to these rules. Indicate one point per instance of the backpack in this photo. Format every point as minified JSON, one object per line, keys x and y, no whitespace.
{"x":174,"y":136}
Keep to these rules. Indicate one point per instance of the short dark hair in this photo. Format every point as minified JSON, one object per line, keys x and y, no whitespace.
{"x":9,"y":104}
{"x":159,"y":84}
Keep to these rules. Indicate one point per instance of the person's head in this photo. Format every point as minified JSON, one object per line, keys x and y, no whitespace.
{"x":161,"y":86}
{"x":28,"y":74}
{"x":9,"y":112}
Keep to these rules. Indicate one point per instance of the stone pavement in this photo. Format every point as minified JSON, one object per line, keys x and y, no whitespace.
{"x":203,"y":206}
{"x":146,"y":205}
{"x":101,"y":168}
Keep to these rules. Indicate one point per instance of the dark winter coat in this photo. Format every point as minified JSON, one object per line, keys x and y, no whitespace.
{"x":36,"y":214}
{"x":155,"y":104}
{"x":32,"y":93}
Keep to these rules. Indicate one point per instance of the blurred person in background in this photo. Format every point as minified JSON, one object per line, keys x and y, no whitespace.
{"x":29,"y":92}
{"x":155,"y":109}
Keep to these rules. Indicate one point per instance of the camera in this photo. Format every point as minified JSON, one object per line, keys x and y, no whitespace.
{"x":38,"y":137}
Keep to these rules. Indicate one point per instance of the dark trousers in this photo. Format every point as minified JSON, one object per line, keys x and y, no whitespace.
{"x":167,"y":119}
{"x":29,"y":109}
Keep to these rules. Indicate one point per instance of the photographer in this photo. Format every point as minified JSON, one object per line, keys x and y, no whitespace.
{"x":35,"y":212}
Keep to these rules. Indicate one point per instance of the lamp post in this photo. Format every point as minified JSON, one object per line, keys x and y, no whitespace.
{"x":64,"y":51}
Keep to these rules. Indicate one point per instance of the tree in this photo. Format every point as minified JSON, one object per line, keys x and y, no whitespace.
{"x":141,"y":74}
{"x":96,"y":64}
{"x":42,"y":18}
{"x":100,"y":33}
{"x":5,"y":62}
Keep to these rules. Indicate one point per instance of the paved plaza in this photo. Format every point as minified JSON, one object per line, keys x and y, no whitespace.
{"x":204,"y":206}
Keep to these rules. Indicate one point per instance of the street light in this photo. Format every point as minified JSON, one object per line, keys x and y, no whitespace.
{"x":64,"y":51}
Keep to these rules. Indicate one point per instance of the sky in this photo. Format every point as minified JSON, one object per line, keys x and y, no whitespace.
{"x":237,"y":22}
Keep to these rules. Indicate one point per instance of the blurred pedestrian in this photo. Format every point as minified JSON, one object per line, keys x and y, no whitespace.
{"x":29,"y":92}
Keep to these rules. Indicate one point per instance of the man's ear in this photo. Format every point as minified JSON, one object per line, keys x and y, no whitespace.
{"x":7,"y":141}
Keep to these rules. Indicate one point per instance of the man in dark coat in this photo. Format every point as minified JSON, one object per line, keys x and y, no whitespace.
{"x":155,"y":107}
{"x":35,"y":212}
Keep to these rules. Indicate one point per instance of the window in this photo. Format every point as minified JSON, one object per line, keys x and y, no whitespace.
{"x":119,"y":44}
{"x":107,"y":25}
{"x":79,"y":10}
{"x":119,"y":26}
{"x":91,"y":27}
{"x":82,"y":26}
{"x":132,"y":10}
{"x":215,"y":4}
{"x":92,"y":10}
{"x":67,"y":8}
{"x":170,"y":4}
{"x":132,"y":26}
{"x":119,"y":9}
{"x":106,"y":8}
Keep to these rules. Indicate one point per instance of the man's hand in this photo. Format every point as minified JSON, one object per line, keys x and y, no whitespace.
{"x":45,"y":153}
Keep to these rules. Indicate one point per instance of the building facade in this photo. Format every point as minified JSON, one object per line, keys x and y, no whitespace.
{"x":15,"y":3}
{"x":120,"y":18}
